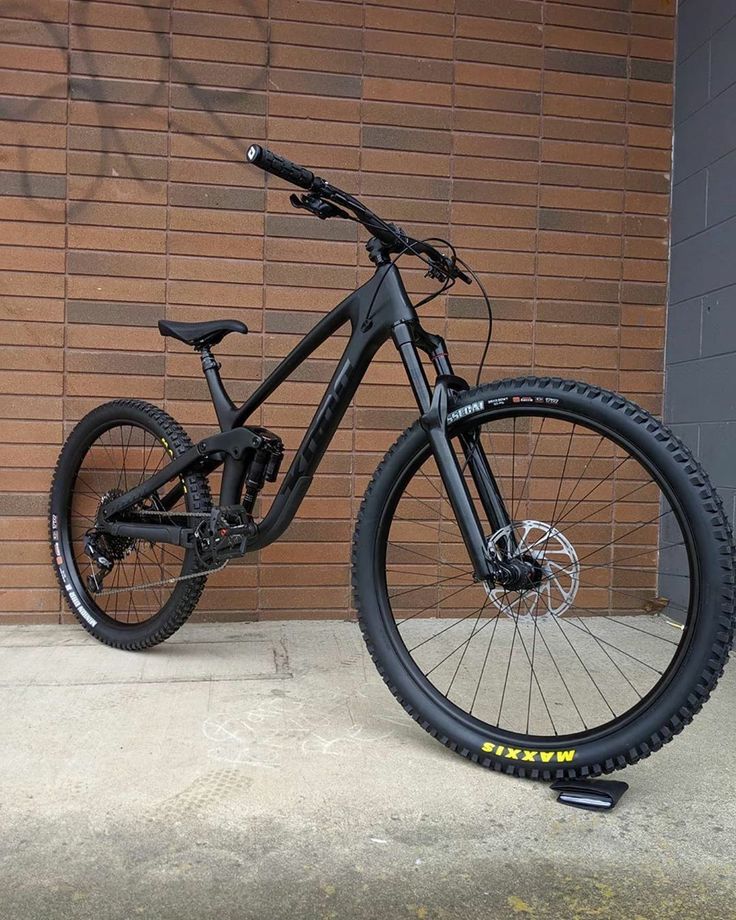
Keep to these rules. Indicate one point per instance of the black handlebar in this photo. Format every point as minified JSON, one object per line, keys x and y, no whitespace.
{"x":394,"y":237}
{"x":283,"y":168}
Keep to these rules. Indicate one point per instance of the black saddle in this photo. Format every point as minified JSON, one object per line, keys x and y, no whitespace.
{"x":200,"y":335}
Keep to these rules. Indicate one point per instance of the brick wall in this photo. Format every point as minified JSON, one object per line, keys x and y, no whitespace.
{"x":535,"y":135}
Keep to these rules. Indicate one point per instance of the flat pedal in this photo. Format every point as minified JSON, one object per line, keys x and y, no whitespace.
{"x":224,"y":535}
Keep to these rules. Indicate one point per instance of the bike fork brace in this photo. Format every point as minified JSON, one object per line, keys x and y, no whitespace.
{"x":434,"y":422}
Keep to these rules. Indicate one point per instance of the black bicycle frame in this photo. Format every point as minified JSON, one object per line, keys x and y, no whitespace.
{"x":378,"y":311}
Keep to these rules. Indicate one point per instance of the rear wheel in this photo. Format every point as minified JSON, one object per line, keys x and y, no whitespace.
{"x":626,"y":626}
{"x":139,"y":602}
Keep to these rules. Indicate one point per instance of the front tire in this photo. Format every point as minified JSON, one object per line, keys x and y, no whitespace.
{"x":698,"y":642}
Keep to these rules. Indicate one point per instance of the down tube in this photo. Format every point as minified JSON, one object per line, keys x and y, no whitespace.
{"x":348,"y":374}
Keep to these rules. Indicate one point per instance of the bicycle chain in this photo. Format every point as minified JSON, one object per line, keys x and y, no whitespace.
{"x":158,"y":584}
{"x":174,"y":579}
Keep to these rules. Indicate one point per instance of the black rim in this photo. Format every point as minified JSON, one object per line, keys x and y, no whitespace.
{"x":478,"y":620}
{"x":115,"y":457}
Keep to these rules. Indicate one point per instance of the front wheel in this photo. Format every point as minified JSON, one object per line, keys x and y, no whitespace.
{"x":626,"y":626}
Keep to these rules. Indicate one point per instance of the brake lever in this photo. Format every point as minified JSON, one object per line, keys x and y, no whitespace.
{"x":317,"y":206}
{"x":445,"y":270}
{"x":438,"y":272}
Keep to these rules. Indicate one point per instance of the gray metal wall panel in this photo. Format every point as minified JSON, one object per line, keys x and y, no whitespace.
{"x":704,"y":262}
{"x":700,"y":393}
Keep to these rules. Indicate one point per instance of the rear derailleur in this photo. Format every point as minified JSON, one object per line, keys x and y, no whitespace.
{"x":99,"y":554}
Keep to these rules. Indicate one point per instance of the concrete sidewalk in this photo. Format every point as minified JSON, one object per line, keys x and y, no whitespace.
{"x":264,"y":771}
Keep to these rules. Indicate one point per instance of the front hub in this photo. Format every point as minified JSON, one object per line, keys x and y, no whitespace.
{"x":521,"y":573}
{"x":541,"y":571}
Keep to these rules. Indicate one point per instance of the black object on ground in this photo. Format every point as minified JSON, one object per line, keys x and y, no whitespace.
{"x":594,"y":795}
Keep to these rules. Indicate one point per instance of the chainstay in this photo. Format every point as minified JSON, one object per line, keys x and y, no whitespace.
{"x":174,"y":578}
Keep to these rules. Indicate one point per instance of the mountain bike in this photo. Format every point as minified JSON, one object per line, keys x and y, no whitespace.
{"x":542,"y":571}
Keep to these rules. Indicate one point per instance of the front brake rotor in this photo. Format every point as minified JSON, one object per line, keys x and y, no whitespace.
{"x":554,"y":593}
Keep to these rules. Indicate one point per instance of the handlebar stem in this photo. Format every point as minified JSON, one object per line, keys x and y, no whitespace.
{"x":378,"y":252}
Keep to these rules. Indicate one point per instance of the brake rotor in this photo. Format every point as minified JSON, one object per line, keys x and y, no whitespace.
{"x":555,"y":592}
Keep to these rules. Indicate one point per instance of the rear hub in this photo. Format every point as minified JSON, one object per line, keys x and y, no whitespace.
{"x":114,"y":546}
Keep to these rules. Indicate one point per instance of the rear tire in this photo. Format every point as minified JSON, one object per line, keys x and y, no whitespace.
{"x":708,"y":633}
{"x":160,"y":437}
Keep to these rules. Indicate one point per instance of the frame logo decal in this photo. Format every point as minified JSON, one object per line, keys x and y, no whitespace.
{"x":80,"y":606}
{"x":73,"y":596}
{"x":303,"y":462}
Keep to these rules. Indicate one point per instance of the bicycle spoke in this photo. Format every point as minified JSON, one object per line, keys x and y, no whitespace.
{"x":533,"y":675}
{"x":433,"y":584}
{"x":583,"y":665}
{"x":414,"y":522}
{"x":423,"y":555}
{"x":564,"y":682}
{"x":485,"y":662}
{"x":608,"y":655}
{"x":610,"y":645}
{"x":607,"y":505}
{"x":444,"y":630}
{"x":583,"y":472}
{"x":554,"y":520}
{"x":458,"y":647}
{"x":508,"y":666}
{"x":462,"y":657}
{"x":589,"y":493}
{"x":529,"y":469}
{"x":430,"y":606}
{"x":117,"y":460}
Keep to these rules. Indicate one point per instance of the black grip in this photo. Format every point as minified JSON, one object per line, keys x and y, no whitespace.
{"x":283,"y":168}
